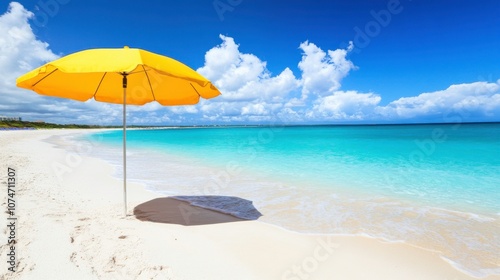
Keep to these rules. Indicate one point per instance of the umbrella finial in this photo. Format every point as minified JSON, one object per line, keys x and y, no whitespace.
{"x":126,"y":47}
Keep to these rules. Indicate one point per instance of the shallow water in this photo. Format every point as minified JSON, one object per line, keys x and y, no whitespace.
{"x":433,"y":186}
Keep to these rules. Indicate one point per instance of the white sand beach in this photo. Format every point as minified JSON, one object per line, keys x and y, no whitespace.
{"x":70,"y":225}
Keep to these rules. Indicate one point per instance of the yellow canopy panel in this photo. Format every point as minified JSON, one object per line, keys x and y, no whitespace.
{"x":98,"y":74}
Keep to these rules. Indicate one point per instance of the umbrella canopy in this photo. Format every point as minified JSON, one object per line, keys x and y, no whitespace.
{"x":98,"y":73}
{"x":121,"y":76}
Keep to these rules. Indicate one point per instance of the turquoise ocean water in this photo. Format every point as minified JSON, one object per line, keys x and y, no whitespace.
{"x":435,"y":186}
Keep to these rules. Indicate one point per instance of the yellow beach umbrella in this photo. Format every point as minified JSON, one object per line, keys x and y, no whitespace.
{"x":121,"y":76}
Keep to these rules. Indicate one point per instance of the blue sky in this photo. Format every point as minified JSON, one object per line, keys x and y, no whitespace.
{"x":378,"y":61}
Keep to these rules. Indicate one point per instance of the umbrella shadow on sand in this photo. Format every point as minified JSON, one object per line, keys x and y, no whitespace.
{"x":196,"y":210}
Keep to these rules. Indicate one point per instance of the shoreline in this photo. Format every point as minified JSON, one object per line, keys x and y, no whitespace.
{"x":82,"y":214}
{"x":343,"y":177}
{"x":459,"y":236}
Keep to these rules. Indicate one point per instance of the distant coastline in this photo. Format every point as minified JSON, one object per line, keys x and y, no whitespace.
{"x":13,"y":125}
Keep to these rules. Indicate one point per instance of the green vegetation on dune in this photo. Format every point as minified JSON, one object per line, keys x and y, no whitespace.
{"x":44,"y":125}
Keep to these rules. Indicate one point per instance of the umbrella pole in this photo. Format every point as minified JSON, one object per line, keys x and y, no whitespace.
{"x":125,"y":144}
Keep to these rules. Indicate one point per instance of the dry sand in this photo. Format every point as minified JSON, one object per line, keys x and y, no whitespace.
{"x":71,"y":226}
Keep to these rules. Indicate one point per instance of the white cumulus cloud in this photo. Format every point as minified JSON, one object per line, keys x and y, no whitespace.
{"x":242,"y":76}
{"x":345,"y":105}
{"x":321,"y":73}
{"x":478,"y":99}
{"x":20,"y":51}
{"x":254,"y":109}
{"x":248,"y":88}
